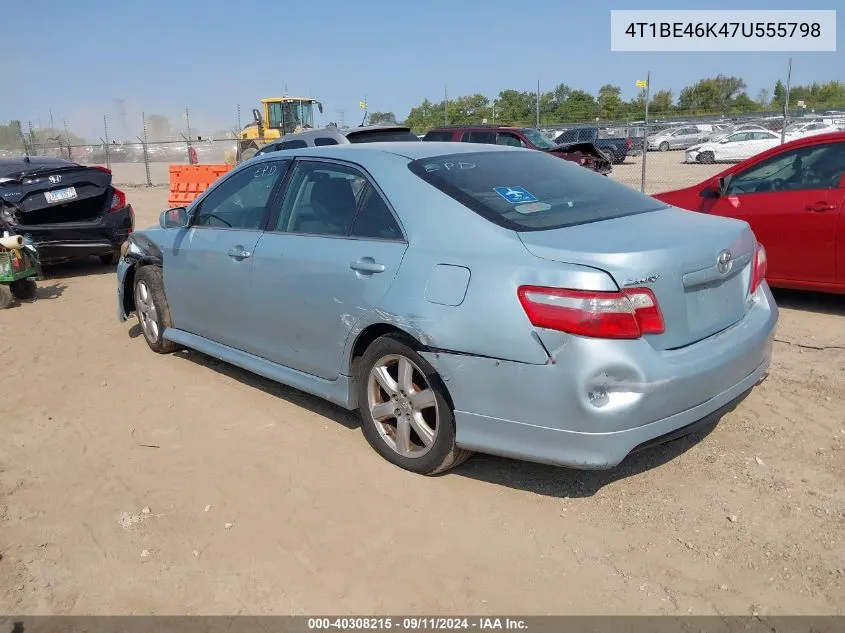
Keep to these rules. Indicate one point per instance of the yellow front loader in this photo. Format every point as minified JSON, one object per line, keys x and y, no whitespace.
{"x":278,"y":116}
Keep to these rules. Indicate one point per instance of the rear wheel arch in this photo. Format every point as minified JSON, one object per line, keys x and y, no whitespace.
{"x":373,"y":332}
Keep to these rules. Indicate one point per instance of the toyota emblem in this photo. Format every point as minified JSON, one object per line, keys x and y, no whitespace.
{"x":724,"y":262}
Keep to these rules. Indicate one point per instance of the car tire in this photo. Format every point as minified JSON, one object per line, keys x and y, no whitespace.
{"x":111,"y":259}
{"x":428,"y":422}
{"x":706,"y":158}
{"x":24,"y":289}
{"x":152,"y":309}
{"x":663,"y":147}
{"x":6,"y":297}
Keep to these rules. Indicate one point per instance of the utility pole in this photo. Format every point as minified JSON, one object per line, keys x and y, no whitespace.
{"x":645,"y":136}
{"x":446,"y":105}
{"x":786,"y":102}
{"x":52,"y":126}
{"x":121,"y":114}
{"x":538,"y":105}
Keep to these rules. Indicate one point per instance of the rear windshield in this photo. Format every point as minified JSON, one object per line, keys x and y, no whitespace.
{"x":378,"y":136}
{"x":530,"y":190}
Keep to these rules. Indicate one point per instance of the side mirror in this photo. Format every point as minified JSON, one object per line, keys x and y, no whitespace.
{"x":174,"y":218}
{"x":716,"y":188}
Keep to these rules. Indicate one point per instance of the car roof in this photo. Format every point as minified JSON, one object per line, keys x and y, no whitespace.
{"x":407,"y":149}
{"x":481,"y":126}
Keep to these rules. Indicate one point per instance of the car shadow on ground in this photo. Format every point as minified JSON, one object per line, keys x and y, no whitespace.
{"x":556,"y":481}
{"x":78,"y":268}
{"x":347,"y":419}
{"x":822,"y":303}
{"x":47,"y":290}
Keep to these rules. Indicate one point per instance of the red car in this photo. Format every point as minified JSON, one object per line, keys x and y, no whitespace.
{"x":793,"y":196}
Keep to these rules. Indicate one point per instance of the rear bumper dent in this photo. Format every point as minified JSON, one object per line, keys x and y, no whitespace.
{"x":600,"y":399}
{"x":592,"y":451}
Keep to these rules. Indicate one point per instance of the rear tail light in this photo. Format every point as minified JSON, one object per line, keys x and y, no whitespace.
{"x":626,"y":314}
{"x":118,"y":200}
{"x":101,"y":168}
{"x":628,"y":143}
{"x":759,"y":267}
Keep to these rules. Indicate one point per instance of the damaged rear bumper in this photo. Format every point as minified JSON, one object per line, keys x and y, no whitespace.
{"x":78,"y":240}
{"x":600,"y":400}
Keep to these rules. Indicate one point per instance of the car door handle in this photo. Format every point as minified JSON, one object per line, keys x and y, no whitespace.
{"x":367,"y":265}
{"x":820,"y":206}
{"x":239,"y":253}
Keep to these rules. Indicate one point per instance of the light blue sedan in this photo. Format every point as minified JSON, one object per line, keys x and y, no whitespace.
{"x":463,"y":297}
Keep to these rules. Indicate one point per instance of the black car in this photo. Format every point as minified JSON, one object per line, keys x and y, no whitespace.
{"x":70,"y":211}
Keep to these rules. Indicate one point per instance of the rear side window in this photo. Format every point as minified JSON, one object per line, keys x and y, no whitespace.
{"x":443,"y":135}
{"x":479,"y":136}
{"x":323,"y":140}
{"x":297,"y":144}
{"x":530,"y":191}
{"x":378,"y":136}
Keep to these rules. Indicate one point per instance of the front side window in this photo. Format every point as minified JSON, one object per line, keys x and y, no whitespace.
{"x":538,"y":139}
{"x":509,"y":139}
{"x":240,"y":201}
{"x":807,"y":168}
{"x":530,"y":191}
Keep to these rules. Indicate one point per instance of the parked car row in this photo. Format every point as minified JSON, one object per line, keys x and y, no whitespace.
{"x":585,"y":154}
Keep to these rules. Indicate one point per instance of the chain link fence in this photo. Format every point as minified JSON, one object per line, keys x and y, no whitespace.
{"x":138,"y":163}
{"x":669,"y":163}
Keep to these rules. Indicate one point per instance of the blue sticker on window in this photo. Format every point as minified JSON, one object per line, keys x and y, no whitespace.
{"x":515,"y":195}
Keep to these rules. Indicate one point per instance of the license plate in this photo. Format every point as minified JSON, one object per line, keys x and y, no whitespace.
{"x":60,"y":195}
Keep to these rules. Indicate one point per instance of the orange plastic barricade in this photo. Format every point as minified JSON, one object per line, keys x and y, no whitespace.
{"x":189,"y":181}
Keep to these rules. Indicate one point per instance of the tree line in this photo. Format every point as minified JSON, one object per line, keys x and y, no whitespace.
{"x":720,"y":95}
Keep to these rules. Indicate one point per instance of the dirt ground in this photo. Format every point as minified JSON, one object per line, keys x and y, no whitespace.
{"x":133,"y":483}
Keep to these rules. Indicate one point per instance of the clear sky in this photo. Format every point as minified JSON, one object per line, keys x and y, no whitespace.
{"x":79,"y":58}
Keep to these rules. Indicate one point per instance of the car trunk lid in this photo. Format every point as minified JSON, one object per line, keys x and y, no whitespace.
{"x":676,"y":254}
{"x":57,"y":194}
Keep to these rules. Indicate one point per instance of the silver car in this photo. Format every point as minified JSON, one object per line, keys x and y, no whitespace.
{"x":462,"y":297}
{"x":676,"y":138}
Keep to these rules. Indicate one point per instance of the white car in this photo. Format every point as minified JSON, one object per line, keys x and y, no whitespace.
{"x":718,"y":135}
{"x":735,"y":147}
{"x":801,"y":129}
